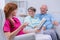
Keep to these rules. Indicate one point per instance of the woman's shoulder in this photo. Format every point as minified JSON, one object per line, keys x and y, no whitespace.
{"x":15,"y":18}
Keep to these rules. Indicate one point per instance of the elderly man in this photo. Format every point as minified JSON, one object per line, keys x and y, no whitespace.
{"x":48,"y":26}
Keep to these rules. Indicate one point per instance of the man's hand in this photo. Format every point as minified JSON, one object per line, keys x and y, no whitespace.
{"x":55,"y":23}
{"x":35,"y":27}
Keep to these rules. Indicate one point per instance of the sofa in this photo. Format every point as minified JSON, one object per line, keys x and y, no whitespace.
{"x":2,"y":36}
{"x":22,"y":37}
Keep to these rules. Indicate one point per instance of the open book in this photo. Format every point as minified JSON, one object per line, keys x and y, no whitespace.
{"x":41,"y":23}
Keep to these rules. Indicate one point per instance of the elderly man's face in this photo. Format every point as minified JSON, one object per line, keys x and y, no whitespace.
{"x":43,"y":9}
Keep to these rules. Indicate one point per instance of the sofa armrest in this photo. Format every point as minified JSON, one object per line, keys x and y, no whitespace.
{"x":30,"y":36}
{"x":57,"y":28}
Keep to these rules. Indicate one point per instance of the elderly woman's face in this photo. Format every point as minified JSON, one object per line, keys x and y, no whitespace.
{"x":31,"y":12}
{"x":14,"y":12}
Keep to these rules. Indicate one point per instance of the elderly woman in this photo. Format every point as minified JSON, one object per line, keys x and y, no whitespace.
{"x":32,"y":21}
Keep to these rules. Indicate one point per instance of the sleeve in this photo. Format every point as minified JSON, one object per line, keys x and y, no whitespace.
{"x":52,"y":18}
{"x":29,"y":29}
{"x":17,"y":22}
{"x":26,"y":19}
{"x":36,"y":15}
{"x":6,"y":27}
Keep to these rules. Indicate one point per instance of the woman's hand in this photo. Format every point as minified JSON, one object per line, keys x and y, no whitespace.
{"x":24,"y":25}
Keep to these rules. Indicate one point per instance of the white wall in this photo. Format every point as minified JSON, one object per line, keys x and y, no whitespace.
{"x":53,"y":6}
{"x":2,"y":3}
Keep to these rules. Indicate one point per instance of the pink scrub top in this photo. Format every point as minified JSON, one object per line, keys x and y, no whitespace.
{"x":8,"y":28}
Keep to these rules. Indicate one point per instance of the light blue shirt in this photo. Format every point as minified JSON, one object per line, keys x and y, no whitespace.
{"x":49,"y":19}
{"x":32,"y":22}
